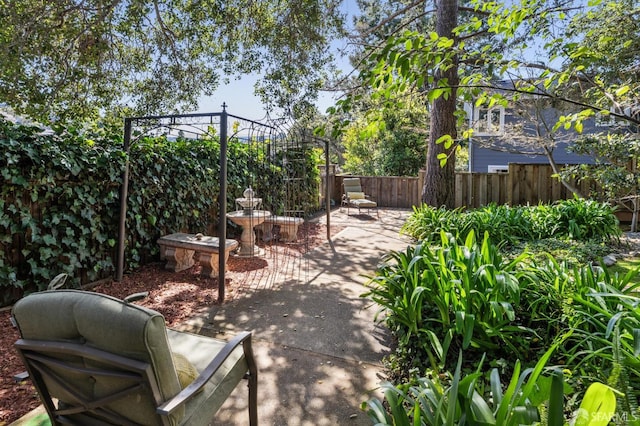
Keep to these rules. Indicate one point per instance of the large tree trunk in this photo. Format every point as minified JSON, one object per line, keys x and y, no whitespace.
{"x":439,"y":183}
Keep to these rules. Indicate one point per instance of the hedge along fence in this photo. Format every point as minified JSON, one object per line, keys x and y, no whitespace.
{"x":61,"y":199}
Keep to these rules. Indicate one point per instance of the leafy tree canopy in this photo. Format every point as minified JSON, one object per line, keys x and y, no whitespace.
{"x":77,"y":59}
{"x":384,"y":142}
{"x":580,"y":53}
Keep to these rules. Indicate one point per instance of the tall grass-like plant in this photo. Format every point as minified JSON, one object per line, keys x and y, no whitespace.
{"x":576,"y":219}
{"x":426,"y":223}
{"x":399,"y":288}
{"x":544,"y":220}
{"x":606,"y":314}
{"x":504,"y":224}
{"x":460,"y":295}
{"x":601,"y":303}
{"x":547,"y":298}
{"x":458,"y":401}
{"x":601,"y":310}
{"x":586,"y":219}
{"x":481,"y":290}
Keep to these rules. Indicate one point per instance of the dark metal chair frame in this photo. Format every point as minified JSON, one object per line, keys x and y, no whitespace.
{"x":43,"y":358}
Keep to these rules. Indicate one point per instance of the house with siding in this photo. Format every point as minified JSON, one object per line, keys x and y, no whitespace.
{"x":520,"y":133}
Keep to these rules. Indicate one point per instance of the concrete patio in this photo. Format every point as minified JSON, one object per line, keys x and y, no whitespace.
{"x":318,"y":348}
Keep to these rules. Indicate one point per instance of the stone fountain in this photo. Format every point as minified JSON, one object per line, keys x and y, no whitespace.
{"x":248,"y":216}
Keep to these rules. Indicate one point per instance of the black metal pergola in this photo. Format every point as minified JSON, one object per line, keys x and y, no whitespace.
{"x":193,"y":124}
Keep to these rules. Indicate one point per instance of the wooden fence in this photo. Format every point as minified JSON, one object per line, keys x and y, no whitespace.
{"x":523,"y":184}
{"x":387,"y":191}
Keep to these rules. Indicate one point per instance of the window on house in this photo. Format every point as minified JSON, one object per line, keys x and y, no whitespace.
{"x":488,"y":121}
{"x":491,"y":168}
{"x":605,"y":120}
{"x":608,"y":120}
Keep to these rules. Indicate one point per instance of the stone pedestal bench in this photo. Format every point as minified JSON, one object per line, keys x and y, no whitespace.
{"x":288,"y":227}
{"x":179,"y":249}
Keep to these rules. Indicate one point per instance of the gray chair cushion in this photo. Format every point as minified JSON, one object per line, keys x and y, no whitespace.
{"x":108,"y":324}
{"x":362,"y":203}
{"x":200,"y":350}
{"x":351,"y":185}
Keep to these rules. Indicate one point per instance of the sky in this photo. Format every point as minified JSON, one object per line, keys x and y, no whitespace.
{"x":238,"y":94}
{"x":240,"y":100}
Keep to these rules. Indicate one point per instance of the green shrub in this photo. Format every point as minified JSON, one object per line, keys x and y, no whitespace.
{"x":531,"y":397}
{"x":460,"y":399}
{"x":503,"y":223}
{"x":460,"y":296}
{"x":60,"y":206}
{"x":600,"y":310}
{"x":572,"y":252}
{"x":426,"y":223}
{"x":579,"y":219}
{"x":560,"y":297}
{"x":576,"y":219}
{"x":605,"y":314}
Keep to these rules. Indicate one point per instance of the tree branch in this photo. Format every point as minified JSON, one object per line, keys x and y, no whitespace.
{"x":166,"y":31}
{"x":393,"y":16}
{"x":556,"y":170}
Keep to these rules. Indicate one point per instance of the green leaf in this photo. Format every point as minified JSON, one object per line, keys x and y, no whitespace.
{"x":376,"y":411}
{"x":394,"y":398}
{"x":480,"y":410}
{"x":447,"y":140}
{"x":623,"y":90}
{"x":49,"y":240}
{"x":19,"y":180}
{"x":408,"y":45}
{"x":436,"y":345}
{"x":556,"y":399}
{"x":465,"y":323}
{"x":598,"y":406}
{"x":435,"y":94}
{"x":443,"y":159}
{"x":496,"y":387}
{"x":451,"y":409}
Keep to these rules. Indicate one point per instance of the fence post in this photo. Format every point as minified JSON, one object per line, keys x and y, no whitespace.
{"x":421,"y":176}
{"x":124,"y":193}
{"x":222,"y":201}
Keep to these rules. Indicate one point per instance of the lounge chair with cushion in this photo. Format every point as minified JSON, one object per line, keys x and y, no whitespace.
{"x":98,"y":360}
{"x":353,"y":196}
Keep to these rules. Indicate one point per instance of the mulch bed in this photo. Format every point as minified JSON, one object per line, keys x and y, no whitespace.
{"x":177,"y":296}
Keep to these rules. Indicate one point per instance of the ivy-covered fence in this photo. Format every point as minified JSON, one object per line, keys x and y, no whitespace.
{"x":59,"y":206}
{"x":60,"y":199}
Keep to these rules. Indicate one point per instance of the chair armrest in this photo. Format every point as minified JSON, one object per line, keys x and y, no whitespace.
{"x":187,"y":393}
{"x":136,"y":296}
